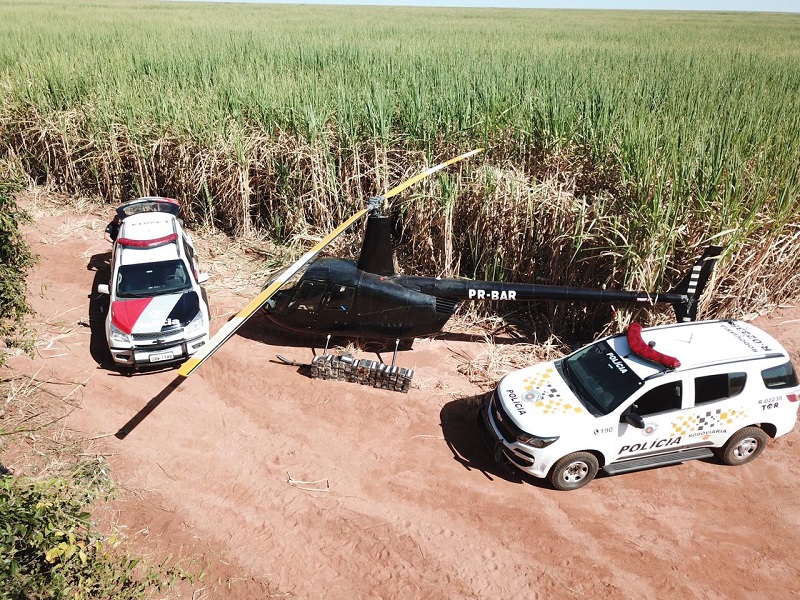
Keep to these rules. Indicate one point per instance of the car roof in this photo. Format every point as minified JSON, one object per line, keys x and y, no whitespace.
{"x":148,"y":226}
{"x":135,"y":256}
{"x":698,"y":344}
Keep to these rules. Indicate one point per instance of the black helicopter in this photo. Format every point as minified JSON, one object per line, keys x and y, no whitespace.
{"x":368,"y":299}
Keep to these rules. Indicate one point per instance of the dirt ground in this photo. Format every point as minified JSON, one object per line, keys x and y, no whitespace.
{"x":284,"y":486}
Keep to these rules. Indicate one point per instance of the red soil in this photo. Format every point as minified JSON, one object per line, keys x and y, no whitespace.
{"x":409,"y":503}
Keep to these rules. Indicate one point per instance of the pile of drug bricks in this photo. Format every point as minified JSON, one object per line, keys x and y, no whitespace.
{"x":376,"y":374}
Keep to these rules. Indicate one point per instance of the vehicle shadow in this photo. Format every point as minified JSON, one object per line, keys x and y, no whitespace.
{"x":465,"y":438}
{"x":98,"y":309}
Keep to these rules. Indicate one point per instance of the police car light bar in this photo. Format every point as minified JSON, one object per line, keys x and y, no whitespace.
{"x":129,"y":243}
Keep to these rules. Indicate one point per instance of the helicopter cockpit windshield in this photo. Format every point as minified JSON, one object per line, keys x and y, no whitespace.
{"x":280,"y":299}
{"x":311,"y":293}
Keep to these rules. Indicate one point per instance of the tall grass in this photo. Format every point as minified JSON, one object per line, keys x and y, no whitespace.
{"x":15,"y":261}
{"x":618,"y":143}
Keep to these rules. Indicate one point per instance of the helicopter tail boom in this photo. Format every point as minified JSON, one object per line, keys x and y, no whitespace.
{"x":684,"y":298}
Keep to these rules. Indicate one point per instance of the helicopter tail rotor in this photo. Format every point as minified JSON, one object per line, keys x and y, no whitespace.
{"x":693,"y":284}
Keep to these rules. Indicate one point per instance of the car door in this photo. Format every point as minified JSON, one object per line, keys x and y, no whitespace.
{"x":658,"y":406}
{"x":715,"y":412}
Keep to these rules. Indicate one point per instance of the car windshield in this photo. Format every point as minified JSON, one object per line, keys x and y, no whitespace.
{"x":145,"y":205}
{"x":599,"y":377}
{"x":152,"y":279}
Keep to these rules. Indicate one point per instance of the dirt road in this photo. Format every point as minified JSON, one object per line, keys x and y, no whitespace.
{"x":286,"y":486}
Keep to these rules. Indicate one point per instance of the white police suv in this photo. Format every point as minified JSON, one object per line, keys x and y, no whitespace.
{"x":158,"y":311}
{"x":650,"y":397}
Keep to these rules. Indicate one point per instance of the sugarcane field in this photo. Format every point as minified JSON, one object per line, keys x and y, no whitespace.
{"x":305,"y":301}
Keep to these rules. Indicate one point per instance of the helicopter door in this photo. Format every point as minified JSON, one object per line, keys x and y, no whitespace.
{"x":340,"y":299}
{"x":337,"y":305}
{"x":307,"y":299}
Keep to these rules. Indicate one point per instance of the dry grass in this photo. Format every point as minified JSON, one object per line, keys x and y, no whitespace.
{"x":237,"y":266}
{"x":760,"y":275}
{"x":34,"y":436}
{"x":36,"y":443}
{"x":497,"y":360}
{"x":33,"y":433}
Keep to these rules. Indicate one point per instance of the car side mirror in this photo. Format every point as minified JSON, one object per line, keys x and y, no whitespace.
{"x":202,"y":278}
{"x":103,"y":289}
{"x":631,"y":418}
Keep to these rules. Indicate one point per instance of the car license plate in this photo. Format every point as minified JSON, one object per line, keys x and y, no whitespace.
{"x":161,"y":356}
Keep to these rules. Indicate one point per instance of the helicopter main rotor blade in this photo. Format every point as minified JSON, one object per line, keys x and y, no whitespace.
{"x":241,"y":317}
{"x":227,"y":330}
{"x":409,"y":182}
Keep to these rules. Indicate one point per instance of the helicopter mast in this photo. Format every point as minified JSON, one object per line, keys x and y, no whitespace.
{"x":376,"y":249}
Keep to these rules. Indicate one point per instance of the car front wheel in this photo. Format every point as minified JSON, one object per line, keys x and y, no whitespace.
{"x":745,"y":445}
{"x":573,"y":471}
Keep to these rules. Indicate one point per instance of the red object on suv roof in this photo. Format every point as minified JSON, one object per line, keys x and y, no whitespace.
{"x":639,"y":347}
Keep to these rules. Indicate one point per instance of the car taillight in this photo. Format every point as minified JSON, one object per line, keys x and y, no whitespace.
{"x":792,"y":397}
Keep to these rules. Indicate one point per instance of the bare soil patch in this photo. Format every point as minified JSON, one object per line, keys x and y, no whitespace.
{"x":284,"y":486}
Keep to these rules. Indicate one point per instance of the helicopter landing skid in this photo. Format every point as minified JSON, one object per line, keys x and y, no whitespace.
{"x":346,"y":367}
{"x":291,"y":363}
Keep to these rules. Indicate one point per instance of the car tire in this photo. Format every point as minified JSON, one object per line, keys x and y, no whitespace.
{"x":743,"y":446}
{"x":573,"y":471}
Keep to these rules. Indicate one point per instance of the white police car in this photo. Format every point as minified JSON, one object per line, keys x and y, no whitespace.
{"x":158,"y":311}
{"x":653,"y":397}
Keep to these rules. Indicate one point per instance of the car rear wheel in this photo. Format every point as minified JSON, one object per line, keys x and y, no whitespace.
{"x":573,"y":471}
{"x":745,"y":445}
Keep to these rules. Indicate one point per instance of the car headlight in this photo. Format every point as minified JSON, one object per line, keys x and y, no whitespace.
{"x":535,"y":441}
{"x":196,"y":325}
{"x":119,"y":336}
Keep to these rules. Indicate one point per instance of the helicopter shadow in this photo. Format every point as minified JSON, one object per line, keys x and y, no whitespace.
{"x":261,"y":329}
{"x":466,"y":440}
